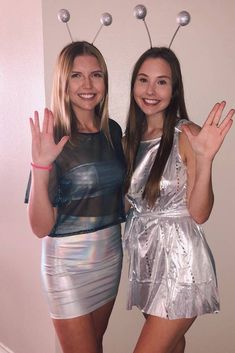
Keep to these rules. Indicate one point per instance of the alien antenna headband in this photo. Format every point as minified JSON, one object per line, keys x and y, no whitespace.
{"x":183,"y":18}
{"x":64,"y":16}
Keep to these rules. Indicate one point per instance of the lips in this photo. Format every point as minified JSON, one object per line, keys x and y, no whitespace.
{"x":87,"y":96}
{"x":148,"y":101}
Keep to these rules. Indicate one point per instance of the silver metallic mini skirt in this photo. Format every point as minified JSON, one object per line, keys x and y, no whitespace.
{"x":81,"y":273}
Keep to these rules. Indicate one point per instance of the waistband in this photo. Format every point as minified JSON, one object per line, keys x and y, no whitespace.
{"x":180,"y":212}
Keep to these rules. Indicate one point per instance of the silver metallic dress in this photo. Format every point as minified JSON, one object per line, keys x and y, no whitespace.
{"x":171,"y":271}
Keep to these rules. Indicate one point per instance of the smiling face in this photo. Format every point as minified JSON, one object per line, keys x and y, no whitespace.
{"x":86,"y":87}
{"x":153,"y":87}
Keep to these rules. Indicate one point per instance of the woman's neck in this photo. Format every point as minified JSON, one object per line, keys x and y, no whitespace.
{"x":88,"y":123}
{"x":154,"y":128}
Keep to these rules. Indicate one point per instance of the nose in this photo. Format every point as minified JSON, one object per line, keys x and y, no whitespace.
{"x":87,"y":82}
{"x":150,"y":88}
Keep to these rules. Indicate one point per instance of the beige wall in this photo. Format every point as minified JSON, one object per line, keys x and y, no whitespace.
{"x":24,"y":323}
{"x":207,"y":54}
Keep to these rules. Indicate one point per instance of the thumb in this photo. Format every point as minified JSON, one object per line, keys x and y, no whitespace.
{"x":63,"y":141}
{"x":187,"y":132}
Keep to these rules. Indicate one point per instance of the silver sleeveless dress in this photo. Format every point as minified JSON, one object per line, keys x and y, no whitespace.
{"x":171,"y":270}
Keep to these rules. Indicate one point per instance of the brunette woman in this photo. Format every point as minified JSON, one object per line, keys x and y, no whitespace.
{"x":172,"y":275}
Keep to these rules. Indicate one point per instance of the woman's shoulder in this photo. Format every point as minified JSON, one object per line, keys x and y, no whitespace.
{"x":114,"y":127}
{"x":114,"y":124}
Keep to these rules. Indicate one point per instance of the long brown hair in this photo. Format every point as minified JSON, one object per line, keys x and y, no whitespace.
{"x":136,"y":123}
{"x":65,"y":120}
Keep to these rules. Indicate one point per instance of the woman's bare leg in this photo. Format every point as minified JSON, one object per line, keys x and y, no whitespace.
{"x":162,"y":336}
{"x":76,"y":335}
{"x":180,"y":347}
{"x":101,"y":318}
{"x":84,"y":334}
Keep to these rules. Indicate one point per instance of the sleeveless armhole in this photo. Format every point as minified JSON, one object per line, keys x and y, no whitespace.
{"x":178,"y":130}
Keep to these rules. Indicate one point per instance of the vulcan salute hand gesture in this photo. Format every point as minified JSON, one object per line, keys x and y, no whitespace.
{"x":210,"y":138}
{"x":44,"y":148}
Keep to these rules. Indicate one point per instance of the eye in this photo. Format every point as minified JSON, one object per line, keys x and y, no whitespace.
{"x":162,"y":82}
{"x":98,"y":74}
{"x":75,"y":75}
{"x":142,"y":79}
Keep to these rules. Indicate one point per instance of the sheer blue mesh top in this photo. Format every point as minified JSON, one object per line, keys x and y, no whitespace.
{"x":86,"y":183}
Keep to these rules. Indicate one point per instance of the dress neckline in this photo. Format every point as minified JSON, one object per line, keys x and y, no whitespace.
{"x":151,"y":140}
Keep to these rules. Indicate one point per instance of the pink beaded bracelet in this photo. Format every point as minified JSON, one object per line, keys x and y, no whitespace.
{"x":47,"y":167}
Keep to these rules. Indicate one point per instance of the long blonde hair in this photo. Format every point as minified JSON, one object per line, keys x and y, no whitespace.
{"x":65,"y":120}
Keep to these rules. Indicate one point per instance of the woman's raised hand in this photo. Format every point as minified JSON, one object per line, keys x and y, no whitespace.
{"x":210,"y":138}
{"x":44,"y":148}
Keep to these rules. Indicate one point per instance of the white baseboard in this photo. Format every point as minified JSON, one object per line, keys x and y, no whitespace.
{"x":4,"y":349}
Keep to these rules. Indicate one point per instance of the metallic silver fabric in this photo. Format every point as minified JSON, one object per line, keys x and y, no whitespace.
{"x":80,"y":273}
{"x":171,"y":272}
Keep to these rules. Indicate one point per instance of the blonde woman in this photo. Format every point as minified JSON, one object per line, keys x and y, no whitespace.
{"x":75,"y":199}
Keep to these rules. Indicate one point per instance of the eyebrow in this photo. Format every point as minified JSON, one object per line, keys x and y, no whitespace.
{"x":161,"y":76}
{"x":92,"y":72}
